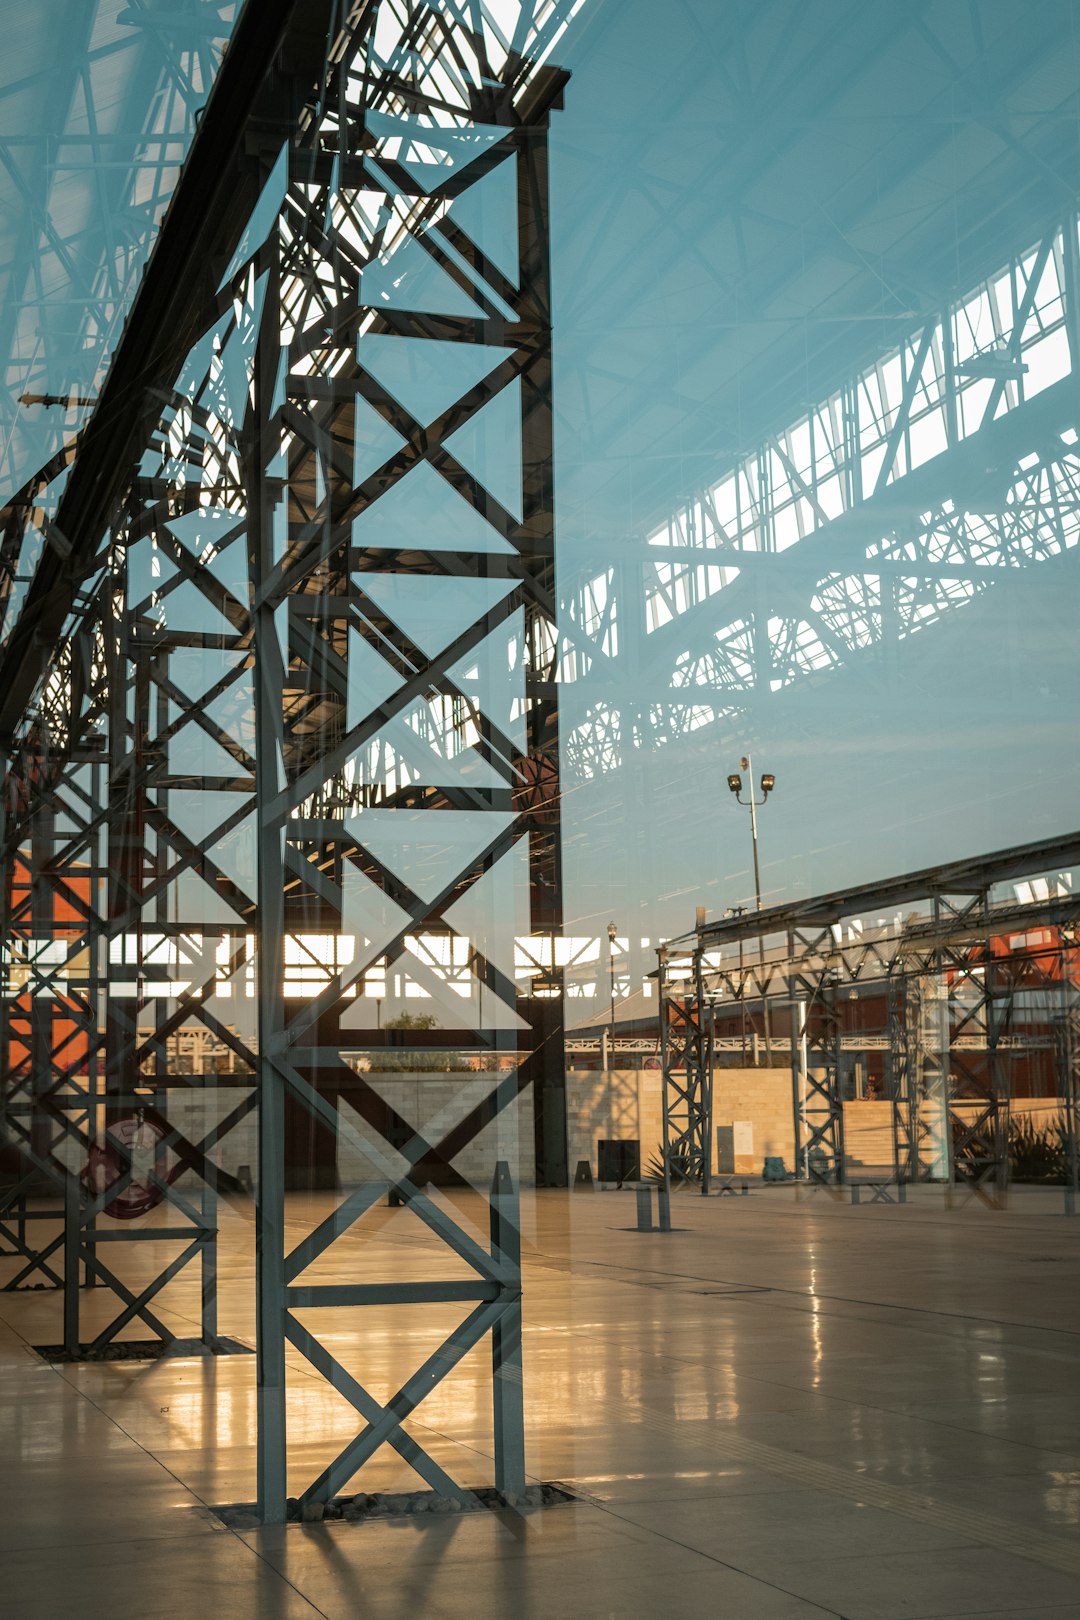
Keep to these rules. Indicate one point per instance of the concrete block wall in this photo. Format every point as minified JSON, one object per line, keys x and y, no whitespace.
{"x":868,"y":1142}
{"x":421,"y":1098}
{"x":195,"y":1113}
{"x":435,"y":1103}
{"x":612,"y":1104}
{"x":617,"y":1104}
{"x":627,"y":1103}
{"x":868,"y":1128}
{"x":759,"y":1099}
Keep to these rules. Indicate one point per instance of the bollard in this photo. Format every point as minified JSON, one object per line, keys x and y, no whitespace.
{"x":208,"y":1239}
{"x":583,"y":1177}
{"x":901,"y":1192}
{"x":72,"y":1220}
{"x":663,"y":1200}
{"x":1070,"y":1200}
{"x":854,"y":1192}
{"x":745,"y":1189}
{"x":507,"y":1389}
{"x":644,"y":1209}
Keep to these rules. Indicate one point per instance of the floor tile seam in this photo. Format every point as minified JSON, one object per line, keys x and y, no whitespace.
{"x":721,"y":1563}
{"x":62,"y":1372}
{"x":195,"y":1537}
{"x":958,"y":1428}
{"x":711,"y":1557}
{"x":106,"y":1539}
{"x":262,"y":1558}
{"x":566,"y":1267}
{"x":985,"y":1529}
{"x":1021,"y":1552}
{"x":751,"y":1293}
{"x":931,"y":1222}
{"x":133,"y":1439}
{"x":585,"y":1494}
{"x":913,"y":1329}
{"x":926,"y":1215}
{"x":975,"y":1529}
{"x":914,"y":1416}
{"x":303,"y":1367}
{"x":1007,"y":1614}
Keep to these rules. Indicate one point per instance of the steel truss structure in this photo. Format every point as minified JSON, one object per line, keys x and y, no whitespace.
{"x":952,"y":998}
{"x":81,"y":1068}
{"x":298,"y":724}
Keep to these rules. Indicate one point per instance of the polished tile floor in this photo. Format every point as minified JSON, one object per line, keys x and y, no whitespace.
{"x":783,"y":1409}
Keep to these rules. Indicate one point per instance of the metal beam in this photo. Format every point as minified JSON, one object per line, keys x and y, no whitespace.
{"x":274,"y":61}
{"x":970,"y":875}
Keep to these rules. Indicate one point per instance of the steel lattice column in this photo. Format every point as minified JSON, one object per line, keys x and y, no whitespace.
{"x":686,"y":1063}
{"x":901,"y":1082}
{"x":1067,"y":1031}
{"x":380,"y":637}
{"x":815,"y":1056}
{"x":957,"y":1012}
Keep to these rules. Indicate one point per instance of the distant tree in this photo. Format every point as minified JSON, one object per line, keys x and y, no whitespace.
{"x":418,"y":1061}
{"x":408,"y":1020}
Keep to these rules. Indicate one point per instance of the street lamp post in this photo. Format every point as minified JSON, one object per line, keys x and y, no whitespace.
{"x":611,"y":975}
{"x":768,"y":782}
{"x":740,"y":911}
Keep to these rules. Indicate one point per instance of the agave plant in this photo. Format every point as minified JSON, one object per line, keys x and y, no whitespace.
{"x":680,"y":1170}
{"x":1038,"y":1152}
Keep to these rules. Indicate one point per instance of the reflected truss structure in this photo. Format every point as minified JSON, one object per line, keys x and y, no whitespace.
{"x":933,"y":474}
